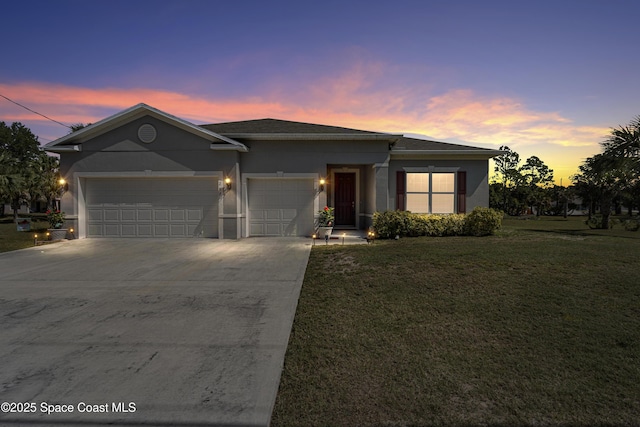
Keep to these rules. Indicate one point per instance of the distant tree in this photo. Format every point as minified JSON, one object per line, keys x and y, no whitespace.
{"x":23,"y":167}
{"x":45,"y":185}
{"x":563,"y":197}
{"x":507,"y":176}
{"x":623,"y":149}
{"x":11,"y":182}
{"x":538,"y":178}
{"x":614,"y":173}
{"x":515,"y":187}
{"x":599,"y":183}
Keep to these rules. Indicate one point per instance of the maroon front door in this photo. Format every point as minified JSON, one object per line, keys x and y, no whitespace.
{"x":345,"y":198}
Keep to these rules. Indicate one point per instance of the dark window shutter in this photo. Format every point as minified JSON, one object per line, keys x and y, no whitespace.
{"x":400,"y":190}
{"x":462,"y":191}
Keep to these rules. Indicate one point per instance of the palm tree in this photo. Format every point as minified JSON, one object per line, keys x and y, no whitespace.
{"x":614,"y":172}
{"x":11,"y":182}
{"x":45,"y":180}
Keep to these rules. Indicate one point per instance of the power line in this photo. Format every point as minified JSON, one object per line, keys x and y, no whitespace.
{"x":35,"y":112}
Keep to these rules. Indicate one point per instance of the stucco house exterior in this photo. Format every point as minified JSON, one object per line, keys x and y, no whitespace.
{"x":145,"y":173}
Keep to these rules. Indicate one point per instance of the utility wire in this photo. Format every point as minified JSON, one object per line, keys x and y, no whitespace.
{"x":35,"y":112}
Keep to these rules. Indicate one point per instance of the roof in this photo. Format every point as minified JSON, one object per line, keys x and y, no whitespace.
{"x":74,"y":140}
{"x":414,"y":146}
{"x":271,"y":129}
{"x":224,"y":136}
{"x":274,"y":129}
{"x":406,"y":143}
{"x":270,"y":126}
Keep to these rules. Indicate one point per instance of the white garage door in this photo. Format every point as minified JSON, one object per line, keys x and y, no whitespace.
{"x":280,"y":207}
{"x":151,"y":207}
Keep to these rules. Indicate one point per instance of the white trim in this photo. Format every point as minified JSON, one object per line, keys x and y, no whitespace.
{"x":227,"y":147}
{"x":430,"y":169}
{"x":479,"y":154}
{"x":147,"y":173}
{"x":80,"y":181}
{"x":66,"y":149}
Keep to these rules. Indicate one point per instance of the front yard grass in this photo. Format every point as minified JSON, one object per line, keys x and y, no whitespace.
{"x":537,"y":325}
{"x":11,"y":239}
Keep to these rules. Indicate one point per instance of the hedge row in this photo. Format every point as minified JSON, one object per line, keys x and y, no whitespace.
{"x":480,"y":222}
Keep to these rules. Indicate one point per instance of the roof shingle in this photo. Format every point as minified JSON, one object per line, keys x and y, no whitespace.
{"x":264,"y":126}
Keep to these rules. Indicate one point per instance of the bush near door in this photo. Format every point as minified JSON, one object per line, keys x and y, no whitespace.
{"x":480,"y":222}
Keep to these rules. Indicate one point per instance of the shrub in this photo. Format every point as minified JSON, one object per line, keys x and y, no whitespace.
{"x":440,"y":225}
{"x":55,"y":218}
{"x":391,"y":223}
{"x":483,"y":222}
{"x":596,"y":223}
{"x":480,"y":222}
{"x":632,"y":225}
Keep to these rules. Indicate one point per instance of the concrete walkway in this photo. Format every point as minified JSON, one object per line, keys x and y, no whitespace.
{"x":147,"y":332}
{"x":344,"y":237}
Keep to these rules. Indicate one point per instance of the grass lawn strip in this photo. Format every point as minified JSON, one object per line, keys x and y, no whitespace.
{"x":537,"y":325}
{"x":11,"y":239}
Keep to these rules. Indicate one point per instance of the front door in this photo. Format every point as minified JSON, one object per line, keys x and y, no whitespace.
{"x":345,"y":199}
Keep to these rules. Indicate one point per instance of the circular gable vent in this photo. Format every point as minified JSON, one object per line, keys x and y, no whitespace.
{"x":147,"y":133}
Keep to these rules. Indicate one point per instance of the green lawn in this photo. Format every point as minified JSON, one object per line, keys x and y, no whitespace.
{"x":538,"y":325}
{"x":11,"y":239}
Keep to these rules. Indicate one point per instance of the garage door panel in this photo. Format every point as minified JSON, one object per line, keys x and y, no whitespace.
{"x":111,"y":230}
{"x":280,"y":207}
{"x":257,"y":215}
{"x":94,"y":230}
{"x":128,"y":215}
{"x":177,"y":215}
{"x":193,"y":214}
{"x":129,"y":230}
{"x":178,"y":229}
{"x":94,"y":214}
{"x":111,"y":215}
{"x":288,"y":214}
{"x":273,"y":229}
{"x":145,"y":214}
{"x":161,"y":215}
{"x":273,"y":214}
{"x":151,"y":207}
{"x":161,"y":230}
{"x":144,"y":230}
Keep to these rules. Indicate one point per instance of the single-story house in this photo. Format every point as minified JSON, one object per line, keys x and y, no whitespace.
{"x":145,"y":173}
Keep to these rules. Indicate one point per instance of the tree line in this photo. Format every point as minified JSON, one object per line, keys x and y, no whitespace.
{"x":605,"y":183}
{"x":27,"y":173}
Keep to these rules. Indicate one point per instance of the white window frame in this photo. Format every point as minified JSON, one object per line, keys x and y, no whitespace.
{"x":433,"y":171}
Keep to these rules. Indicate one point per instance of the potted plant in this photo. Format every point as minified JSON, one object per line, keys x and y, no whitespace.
{"x":56,"y":221}
{"x":325,"y":222}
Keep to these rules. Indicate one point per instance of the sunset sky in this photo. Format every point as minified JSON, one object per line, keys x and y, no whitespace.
{"x":546,"y":78}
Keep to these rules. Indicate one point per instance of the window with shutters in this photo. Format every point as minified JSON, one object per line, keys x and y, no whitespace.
{"x":430,"y":192}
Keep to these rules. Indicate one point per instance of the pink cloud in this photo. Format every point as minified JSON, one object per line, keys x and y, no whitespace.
{"x":357,"y":97}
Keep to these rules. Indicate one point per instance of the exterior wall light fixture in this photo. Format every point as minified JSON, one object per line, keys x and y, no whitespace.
{"x":227,"y":182}
{"x":322,"y":183}
{"x":371,"y":236}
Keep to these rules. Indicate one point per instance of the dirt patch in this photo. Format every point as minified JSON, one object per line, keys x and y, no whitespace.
{"x":341,"y":263}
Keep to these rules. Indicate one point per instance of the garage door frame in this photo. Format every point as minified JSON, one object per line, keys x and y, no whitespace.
{"x":246,"y":177}
{"x":80,"y":179}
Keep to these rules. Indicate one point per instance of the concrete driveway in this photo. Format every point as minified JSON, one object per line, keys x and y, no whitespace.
{"x":186,"y":332}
